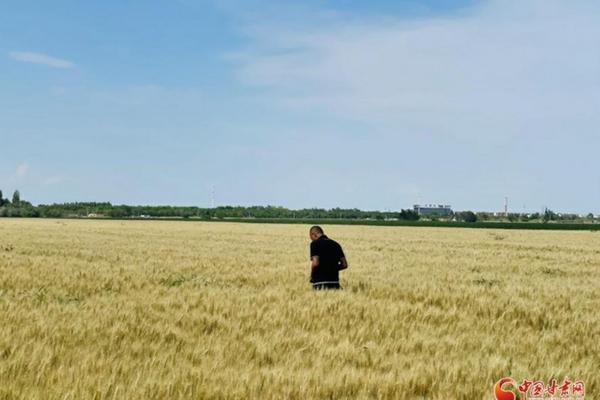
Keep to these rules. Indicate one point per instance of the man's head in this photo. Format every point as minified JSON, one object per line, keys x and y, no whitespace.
{"x":315,"y":232}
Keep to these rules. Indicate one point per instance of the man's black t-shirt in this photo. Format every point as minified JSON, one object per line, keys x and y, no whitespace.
{"x":330,"y":253}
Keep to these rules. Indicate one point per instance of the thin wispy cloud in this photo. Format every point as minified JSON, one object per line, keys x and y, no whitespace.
{"x":504,"y":66}
{"x":40,"y":59}
{"x":22,"y":170}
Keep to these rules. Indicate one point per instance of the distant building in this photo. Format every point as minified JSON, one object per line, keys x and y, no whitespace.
{"x":433,"y":210}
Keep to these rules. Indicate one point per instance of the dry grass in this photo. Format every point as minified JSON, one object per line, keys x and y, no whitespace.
{"x":170,"y":310}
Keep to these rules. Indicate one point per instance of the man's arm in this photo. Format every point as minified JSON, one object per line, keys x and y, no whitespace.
{"x":314,"y":264}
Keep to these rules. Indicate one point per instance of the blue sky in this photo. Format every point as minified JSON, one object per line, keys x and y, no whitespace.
{"x":368,"y":104}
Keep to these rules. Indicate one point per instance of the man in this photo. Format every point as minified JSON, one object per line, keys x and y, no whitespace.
{"x":327,"y":260}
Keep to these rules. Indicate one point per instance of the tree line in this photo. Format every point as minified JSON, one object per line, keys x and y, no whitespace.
{"x":21,"y":208}
{"x":18,"y":207}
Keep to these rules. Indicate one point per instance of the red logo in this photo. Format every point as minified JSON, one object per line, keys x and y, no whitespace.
{"x":509,"y":389}
{"x":502,"y":394}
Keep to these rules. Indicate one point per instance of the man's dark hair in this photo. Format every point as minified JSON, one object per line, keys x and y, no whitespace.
{"x":317,"y":228}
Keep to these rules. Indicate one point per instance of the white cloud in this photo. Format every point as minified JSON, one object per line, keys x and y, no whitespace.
{"x":505,"y":68}
{"x":39,"y":58}
{"x":22,"y":170}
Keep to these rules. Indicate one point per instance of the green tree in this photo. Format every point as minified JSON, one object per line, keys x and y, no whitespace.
{"x":408,"y":215}
{"x":549,"y":215}
{"x":1,"y":199}
{"x":513,"y":217}
{"x":467,"y":216}
{"x":483,"y":216}
{"x":16,"y":200}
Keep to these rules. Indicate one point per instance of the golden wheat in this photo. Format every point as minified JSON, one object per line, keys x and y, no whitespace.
{"x":189,"y":310}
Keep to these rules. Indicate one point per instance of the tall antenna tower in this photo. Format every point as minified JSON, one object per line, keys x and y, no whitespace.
{"x":506,"y":206}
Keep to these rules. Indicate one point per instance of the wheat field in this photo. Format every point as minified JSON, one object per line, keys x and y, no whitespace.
{"x":189,"y":310}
